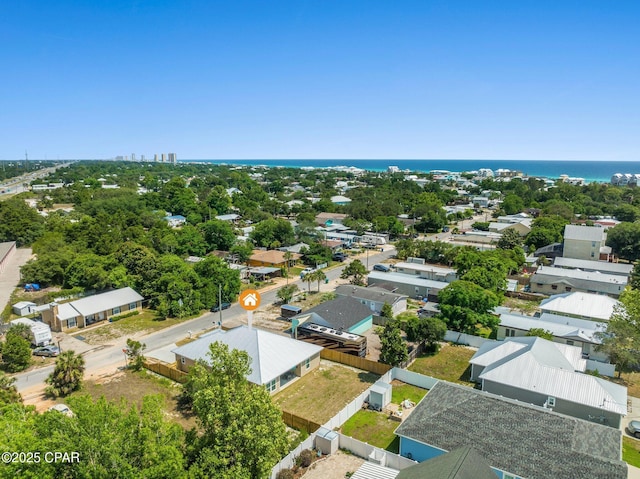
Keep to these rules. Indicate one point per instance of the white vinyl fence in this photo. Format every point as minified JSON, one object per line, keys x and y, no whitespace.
{"x":466,"y":339}
{"x":605,"y":369}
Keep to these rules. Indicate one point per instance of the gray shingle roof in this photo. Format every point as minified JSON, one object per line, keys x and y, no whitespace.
{"x":463,"y":463}
{"x":380,"y":295}
{"x":584,"y":233}
{"x":522,"y":439}
{"x":340,"y":313}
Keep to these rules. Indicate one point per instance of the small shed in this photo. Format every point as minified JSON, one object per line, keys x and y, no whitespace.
{"x":24,"y":308}
{"x":380,"y":395}
{"x":289,"y":311}
{"x":327,"y":441}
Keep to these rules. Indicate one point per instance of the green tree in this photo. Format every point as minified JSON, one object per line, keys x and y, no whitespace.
{"x":241,"y":429}
{"x":431,"y":330}
{"x":634,"y":278}
{"x":546,"y":230}
{"x":510,"y":239}
{"x":387,"y":311}
{"x":393,"y":348}
{"x":621,"y":340}
{"x":134,"y":354}
{"x":355,"y":272}
{"x":286,"y":292}
{"x":8,"y":392}
{"x":624,"y":239}
{"x":16,"y":351}
{"x":19,"y":222}
{"x":315,"y":254}
{"x":218,"y":235}
{"x":318,"y":275}
{"x":271,"y":231}
{"x":512,"y":204}
{"x":215,"y":273}
{"x":67,"y":374}
{"x":541,"y":333}
{"x":464,"y":306}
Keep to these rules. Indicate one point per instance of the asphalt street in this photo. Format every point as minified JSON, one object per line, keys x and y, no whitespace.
{"x":112,"y":356}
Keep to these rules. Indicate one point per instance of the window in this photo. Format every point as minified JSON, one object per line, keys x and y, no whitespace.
{"x":593,"y":255}
{"x":593,"y":244}
{"x":71,"y":323}
{"x":307,"y":363}
{"x":567,"y":289}
{"x":554,"y":286}
{"x":551,"y":401}
{"x":271,"y":386}
{"x":133,"y":306}
{"x":116,"y":310}
{"x":182,"y":361}
{"x":569,"y":342}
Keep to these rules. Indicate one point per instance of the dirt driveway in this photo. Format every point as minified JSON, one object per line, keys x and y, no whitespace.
{"x":334,"y":466}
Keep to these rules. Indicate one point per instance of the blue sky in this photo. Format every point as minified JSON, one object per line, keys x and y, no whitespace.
{"x":320,"y":79}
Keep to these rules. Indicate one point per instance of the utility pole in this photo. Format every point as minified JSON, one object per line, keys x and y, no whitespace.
{"x":220,"y":304}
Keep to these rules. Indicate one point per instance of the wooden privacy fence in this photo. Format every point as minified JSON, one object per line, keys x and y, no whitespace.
{"x":355,"y":361}
{"x":299,"y":423}
{"x":166,"y":371}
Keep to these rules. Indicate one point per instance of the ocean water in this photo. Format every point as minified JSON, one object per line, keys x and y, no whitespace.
{"x":591,"y":171}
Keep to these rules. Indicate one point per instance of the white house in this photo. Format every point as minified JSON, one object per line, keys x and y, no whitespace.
{"x":24,"y":308}
{"x":549,"y":374}
{"x":585,"y":242}
{"x":594,"y":307}
{"x":275,"y":360}
{"x":40,"y":332}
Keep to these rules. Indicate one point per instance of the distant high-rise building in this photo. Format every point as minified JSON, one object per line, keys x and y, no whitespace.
{"x":164,"y":157}
{"x":133,"y":157}
{"x":141,"y":157}
{"x":173,"y":158}
{"x":155,"y":157}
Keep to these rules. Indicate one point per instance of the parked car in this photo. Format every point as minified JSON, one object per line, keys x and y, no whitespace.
{"x":339,"y":256}
{"x":381,"y":267}
{"x":218,"y":307}
{"x":306,"y":271}
{"x":634,"y":428}
{"x":49,"y":351}
{"x":62,"y":409}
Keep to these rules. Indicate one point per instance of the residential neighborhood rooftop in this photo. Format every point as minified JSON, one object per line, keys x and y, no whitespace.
{"x":589,"y":265}
{"x":587,"y":305}
{"x":271,"y":354}
{"x":526,"y":440}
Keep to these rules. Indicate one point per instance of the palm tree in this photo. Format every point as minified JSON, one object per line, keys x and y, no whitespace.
{"x":67,"y":374}
{"x":319,"y":276}
{"x":287,"y":259}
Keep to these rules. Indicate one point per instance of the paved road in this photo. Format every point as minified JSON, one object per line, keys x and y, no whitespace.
{"x":15,"y":185}
{"x":113,"y":357}
{"x":10,"y":277}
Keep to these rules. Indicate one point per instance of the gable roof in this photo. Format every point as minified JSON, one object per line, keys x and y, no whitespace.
{"x":461,"y":463}
{"x":552,"y":275}
{"x":98,"y":303}
{"x":584,"y":233}
{"x":589,"y":265}
{"x":548,"y":353}
{"x":372,"y":293}
{"x":587,"y":305}
{"x":528,"y":371}
{"x":341,"y":313}
{"x":271,"y":354}
{"x":519,"y":438}
{"x":557,"y":328}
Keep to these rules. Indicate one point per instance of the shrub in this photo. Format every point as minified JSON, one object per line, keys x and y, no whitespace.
{"x":306,"y":458}
{"x":285,"y":474}
{"x":113,"y":319}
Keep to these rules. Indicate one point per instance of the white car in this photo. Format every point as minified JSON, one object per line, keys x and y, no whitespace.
{"x":306,"y":271}
{"x":62,"y":409}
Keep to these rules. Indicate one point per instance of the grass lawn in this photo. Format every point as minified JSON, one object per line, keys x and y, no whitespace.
{"x":402,"y":391}
{"x":147,"y":320}
{"x":373,"y":427}
{"x":631,"y":381}
{"x":322,"y":393}
{"x":451,"y":363}
{"x":133,"y":386}
{"x":631,"y":451}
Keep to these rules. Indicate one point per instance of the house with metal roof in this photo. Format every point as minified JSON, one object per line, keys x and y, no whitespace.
{"x":374,"y":298}
{"x":585,"y":242}
{"x":174,"y":221}
{"x":605,"y":267}
{"x":518,"y":440}
{"x":91,"y":309}
{"x":275,"y":360}
{"x":563,"y":328}
{"x":341,"y":314}
{"x":412,"y":286}
{"x":594,"y":307}
{"x":548,"y":374}
{"x":550,"y":280}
